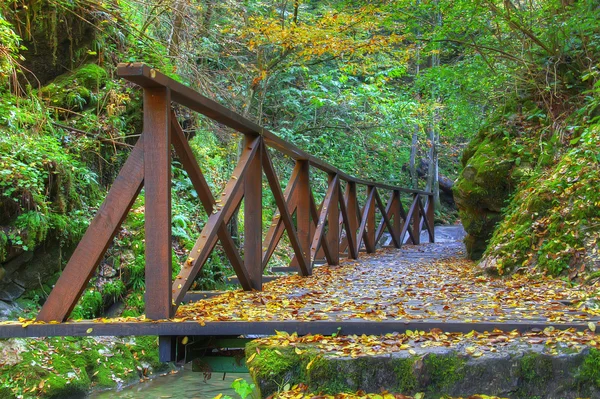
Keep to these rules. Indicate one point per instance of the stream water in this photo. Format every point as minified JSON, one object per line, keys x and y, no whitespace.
{"x":185,"y":384}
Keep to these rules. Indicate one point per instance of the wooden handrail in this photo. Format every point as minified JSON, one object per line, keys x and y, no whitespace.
{"x":337,"y":224}
{"x":147,"y":77}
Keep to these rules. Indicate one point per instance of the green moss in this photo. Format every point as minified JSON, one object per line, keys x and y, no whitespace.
{"x":535,"y":369}
{"x":91,"y":76}
{"x":407,"y":382}
{"x":549,"y":223}
{"x":274,"y":363}
{"x":324,"y":376}
{"x":589,"y":372}
{"x":443,"y":371}
{"x":71,"y":366}
{"x":76,"y":90}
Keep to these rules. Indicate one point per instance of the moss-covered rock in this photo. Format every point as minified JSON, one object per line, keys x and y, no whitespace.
{"x":518,"y":371}
{"x":482,"y":189}
{"x":70,"y":367}
{"x":76,"y":90}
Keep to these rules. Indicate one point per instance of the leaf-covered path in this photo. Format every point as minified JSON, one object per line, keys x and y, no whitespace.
{"x":426,"y":282}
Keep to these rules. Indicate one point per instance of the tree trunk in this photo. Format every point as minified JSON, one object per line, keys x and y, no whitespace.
{"x":415,"y":135}
{"x":434,"y":132}
{"x":175,"y":38}
{"x":413,"y":156}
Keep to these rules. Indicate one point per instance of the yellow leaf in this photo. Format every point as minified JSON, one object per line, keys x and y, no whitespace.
{"x":251,"y":358}
{"x":298,"y":351}
{"x":412,"y":352}
{"x":185,"y":340}
{"x":592,"y":326}
{"x":218,"y":396}
{"x":89,"y":330}
{"x":279,"y":353}
{"x":309,"y":365}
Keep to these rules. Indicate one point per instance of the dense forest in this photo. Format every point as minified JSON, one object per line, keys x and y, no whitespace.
{"x":493,"y":105}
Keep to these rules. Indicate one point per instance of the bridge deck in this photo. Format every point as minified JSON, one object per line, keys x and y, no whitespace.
{"x":417,"y":287}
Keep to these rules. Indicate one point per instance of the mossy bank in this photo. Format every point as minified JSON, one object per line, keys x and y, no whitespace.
{"x":515,"y":373}
{"x":71,"y":367}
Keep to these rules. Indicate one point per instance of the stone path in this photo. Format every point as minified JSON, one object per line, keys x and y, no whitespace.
{"x":431,"y":282}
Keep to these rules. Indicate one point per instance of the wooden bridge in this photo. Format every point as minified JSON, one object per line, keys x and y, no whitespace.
{"x":338,"y":227}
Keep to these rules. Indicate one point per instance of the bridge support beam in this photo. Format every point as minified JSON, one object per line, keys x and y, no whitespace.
{"x":253,"y":218}
{"x":157,"y":174}
{"x":333,"y":221}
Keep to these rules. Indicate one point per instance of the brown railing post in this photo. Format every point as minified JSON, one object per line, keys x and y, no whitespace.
{"x":157,"y":182}
{"x":352,"y":210}
{"x":253,"y":218}
{"x":333,"y":221}
{"x":303,"y":210}
{"x":416,"y":221}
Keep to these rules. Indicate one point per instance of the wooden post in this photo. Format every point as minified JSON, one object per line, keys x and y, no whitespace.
{"x":253,"y":218}
{"x":333,"y":221}
{"x":157,"y":181}
{"x":416,"y":222}
{"x":396,"y":206}
{"x":303,"y":210}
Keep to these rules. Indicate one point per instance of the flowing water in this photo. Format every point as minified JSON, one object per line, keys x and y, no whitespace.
{"x":185,"y":384}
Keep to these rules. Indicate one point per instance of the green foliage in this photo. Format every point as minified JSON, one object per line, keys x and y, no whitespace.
{"x":89,"y":306}
{"x":550,"y":221}
{"x":70,"y":366}
{"x":44,"y":189}
{"x":243,"y":388}
{"x":589,"y":372}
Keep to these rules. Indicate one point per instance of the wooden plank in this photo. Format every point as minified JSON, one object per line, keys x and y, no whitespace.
{"x":264,"y":279}
{"x":97,"y":238}
{"x":253,"y":217}
{"x":230,"y":198}
{"x":186,"y":157}
{"x":385,"y":212}
{"x":237,"y":328}
{"x":195,"y":296}
{"x":157,"y":172}
{"x":333,"y":221}
{"x":276,"y":229}
{"x":280,"y":201}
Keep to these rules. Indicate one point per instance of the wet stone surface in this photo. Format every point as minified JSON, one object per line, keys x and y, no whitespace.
{"x":429,"y":282}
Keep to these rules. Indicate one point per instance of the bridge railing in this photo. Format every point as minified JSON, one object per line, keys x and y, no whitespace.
{"x":339,"y":226}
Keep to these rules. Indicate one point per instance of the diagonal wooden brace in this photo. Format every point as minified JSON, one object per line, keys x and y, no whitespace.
{"x":97,"y":238}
